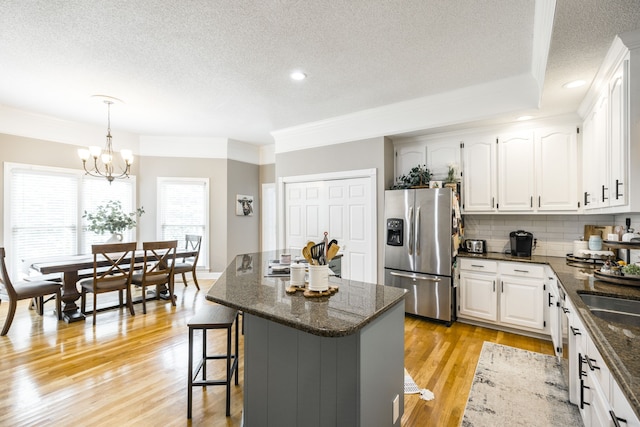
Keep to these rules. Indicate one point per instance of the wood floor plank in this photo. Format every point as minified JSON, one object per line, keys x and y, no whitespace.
{"x":132,"y":370}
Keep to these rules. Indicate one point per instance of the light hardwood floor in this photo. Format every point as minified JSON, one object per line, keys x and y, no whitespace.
{"x":132,"y":370}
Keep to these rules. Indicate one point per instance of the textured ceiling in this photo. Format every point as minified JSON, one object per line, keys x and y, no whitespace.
{"x":220,"y":68}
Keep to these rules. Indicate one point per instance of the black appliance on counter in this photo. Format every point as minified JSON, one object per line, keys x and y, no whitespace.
{"x":521,"y":243}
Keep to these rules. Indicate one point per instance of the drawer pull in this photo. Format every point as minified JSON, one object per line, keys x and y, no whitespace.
{"x":550,"y":296}
{"x":477,"y":266}
{"x":616,"y":420}
{"x":522,"y":271}
{"x":582,"y":387}
{"x":575,"y":331}
{"x":566,"y":310}
{"x":591,"y":365}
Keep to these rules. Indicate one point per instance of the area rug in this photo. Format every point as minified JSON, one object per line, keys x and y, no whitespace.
{"x":513,"y":387}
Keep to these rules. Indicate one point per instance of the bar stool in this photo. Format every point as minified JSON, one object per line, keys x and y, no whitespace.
{"x":211,"y":316}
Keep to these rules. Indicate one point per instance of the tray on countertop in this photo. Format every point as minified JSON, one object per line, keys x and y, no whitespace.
{"x":617,"y":279}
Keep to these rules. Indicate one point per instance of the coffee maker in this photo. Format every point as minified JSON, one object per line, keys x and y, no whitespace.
{"x":521,"y":243}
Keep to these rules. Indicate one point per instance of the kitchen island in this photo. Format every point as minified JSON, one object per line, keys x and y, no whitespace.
{"x":327,"y":361}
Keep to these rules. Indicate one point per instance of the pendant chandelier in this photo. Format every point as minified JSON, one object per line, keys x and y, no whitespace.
{"x":103,"y":158}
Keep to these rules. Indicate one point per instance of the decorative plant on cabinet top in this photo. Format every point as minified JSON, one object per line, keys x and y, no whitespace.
{"x":418,"y":176}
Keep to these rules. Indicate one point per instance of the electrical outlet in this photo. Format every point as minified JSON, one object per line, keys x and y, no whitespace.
{"x":396,"y":408}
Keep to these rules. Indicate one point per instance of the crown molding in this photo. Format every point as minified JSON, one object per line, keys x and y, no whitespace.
{"x":473,"y":103}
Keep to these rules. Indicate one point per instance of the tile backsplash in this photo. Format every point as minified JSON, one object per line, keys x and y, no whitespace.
{"x":554,"y":233}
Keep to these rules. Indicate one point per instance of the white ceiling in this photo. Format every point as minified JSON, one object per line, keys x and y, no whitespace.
{"x":205,"y":68}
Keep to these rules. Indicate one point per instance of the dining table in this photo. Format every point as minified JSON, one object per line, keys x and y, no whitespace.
{"x":75,"y":267}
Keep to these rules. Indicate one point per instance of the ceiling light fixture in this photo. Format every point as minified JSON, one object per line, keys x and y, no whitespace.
{"x":298,"y":75}
{"x":574,"y":84}
{"x":104,"y":166}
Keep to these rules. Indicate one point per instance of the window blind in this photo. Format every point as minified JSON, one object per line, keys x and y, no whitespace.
{"x":183,"y":205}
{"x":44,"y":208}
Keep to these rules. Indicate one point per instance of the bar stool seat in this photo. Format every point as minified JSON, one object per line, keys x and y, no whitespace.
{"x":211,"y":316}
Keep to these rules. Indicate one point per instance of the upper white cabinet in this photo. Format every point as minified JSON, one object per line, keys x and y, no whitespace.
{"x":610,"y":113}
{"x":479,"y":174}
{"x":441,"y":153}
{"x":407,"y":157}
{"x":556,"y":157}
{"x":526,"y":171}
{"x":516,"y":171}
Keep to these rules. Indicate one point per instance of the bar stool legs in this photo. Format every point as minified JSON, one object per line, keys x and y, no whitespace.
{"x":213,"y":317}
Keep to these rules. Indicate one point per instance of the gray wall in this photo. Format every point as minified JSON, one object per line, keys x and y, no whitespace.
{"x":151,"y":168}
{"x":373,"y":153}
{"x":243,"y":232}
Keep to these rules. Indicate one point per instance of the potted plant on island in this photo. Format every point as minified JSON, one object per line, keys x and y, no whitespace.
{"x":111,"y":218}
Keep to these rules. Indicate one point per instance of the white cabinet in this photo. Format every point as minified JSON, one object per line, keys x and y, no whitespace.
{"x":478,"y":296}
{"x":606,"y":136}
{"x":516,"y":172}
{"x":618,"y":135}
{"x":479,"y":174}
{"x":556,"y":157}
{"x":504,"y":293}
{"x":440,"y":154}
{"x":555,"y":314}
{"x":591,"y":385}
{"x":407,"y":157}
{"x":525,"y":171}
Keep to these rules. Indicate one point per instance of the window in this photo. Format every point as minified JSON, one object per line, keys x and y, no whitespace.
{"x":44,"y":208}
{"x":183,"y":208}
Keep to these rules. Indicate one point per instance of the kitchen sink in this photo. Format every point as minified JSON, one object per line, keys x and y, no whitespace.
{"x":620,"y":310}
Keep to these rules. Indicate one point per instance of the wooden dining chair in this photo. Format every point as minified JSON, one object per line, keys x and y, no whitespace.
{"x":112,"y":271}
{"x":188,"y":264}
{"x":24,"y":290}
{"x":157,"y":269}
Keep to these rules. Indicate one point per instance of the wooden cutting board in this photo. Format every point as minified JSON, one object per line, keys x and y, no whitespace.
{"x":597,"y":230}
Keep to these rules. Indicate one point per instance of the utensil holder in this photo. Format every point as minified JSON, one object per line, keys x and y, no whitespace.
{"x":318,"y":278}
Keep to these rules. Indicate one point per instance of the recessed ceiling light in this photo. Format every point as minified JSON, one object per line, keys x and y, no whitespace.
{"x":298,"y":75}
{"x":521,"y":118}
{"x":573,"y":84}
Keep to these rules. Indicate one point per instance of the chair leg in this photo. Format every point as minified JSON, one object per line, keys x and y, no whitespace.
{"x":12,"y":311}
{"x":41,"y":306}
{"x":190,"y":380}
{"x":130,"y":301}
{"x":83,"y":301}
{"x":144,"y":299}
{"x":171,"y":295}
{"x":59,"y":304}
{"x":184,"y":279}
{"x":195,"y":279}
{"x":95,"y":307}
{"x":120,"y":298}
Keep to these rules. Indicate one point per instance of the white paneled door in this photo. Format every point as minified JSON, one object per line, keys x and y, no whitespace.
{"x":344,"y":208}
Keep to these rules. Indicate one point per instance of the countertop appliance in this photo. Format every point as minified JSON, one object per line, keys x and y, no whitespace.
{"x":475,"y":246}
{"x":418,"y":249}
{"x":521,"y":243}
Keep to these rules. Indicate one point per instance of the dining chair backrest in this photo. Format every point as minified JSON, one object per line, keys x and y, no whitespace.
{"x":113,"y":262}
{"x":5,"y":282}
{"x":192,"y":242}
{"x":159,"y":258}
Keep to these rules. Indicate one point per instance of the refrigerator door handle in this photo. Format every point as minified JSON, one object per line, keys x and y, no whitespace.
{"x":418,"y":231}
{"x":416,"y":276}
{"x":411,"y":231}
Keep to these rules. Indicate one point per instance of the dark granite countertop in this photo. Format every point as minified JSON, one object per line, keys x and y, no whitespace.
{"x":619,"y":344}
{"x":244,"y":286}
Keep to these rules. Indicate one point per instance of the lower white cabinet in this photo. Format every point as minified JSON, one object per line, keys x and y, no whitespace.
{"x":591,"y":385}
{"x":505,"y":293}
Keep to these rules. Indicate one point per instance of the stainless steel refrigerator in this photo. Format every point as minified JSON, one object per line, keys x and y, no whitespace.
{"x":419,"y":225}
